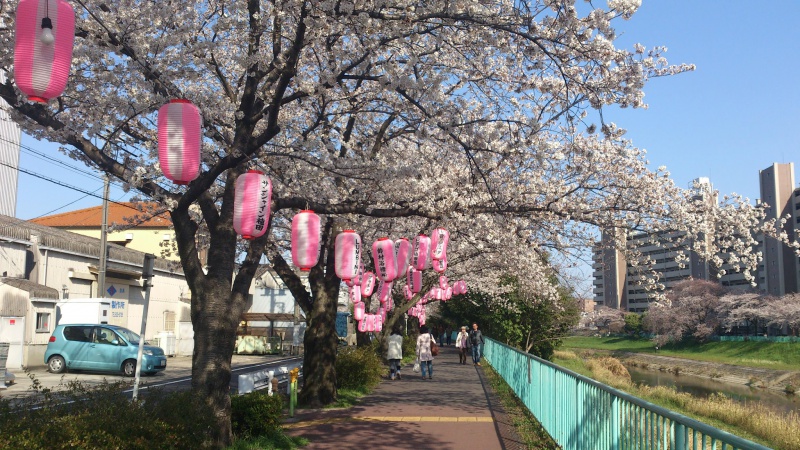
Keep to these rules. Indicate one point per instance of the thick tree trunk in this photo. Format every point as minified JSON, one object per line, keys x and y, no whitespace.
{"x":215,"y":327}
{"x":319,"y":359}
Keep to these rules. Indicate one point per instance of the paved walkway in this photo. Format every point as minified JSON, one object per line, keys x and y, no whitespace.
{"x":455,"y":410}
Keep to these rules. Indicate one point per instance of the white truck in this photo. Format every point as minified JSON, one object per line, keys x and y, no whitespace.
{"x":83,"y":310}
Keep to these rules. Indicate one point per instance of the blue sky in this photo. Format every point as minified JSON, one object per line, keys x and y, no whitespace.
{"x":736,"y":114}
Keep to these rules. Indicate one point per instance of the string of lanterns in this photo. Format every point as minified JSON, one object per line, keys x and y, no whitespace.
{"x":44,"y":40}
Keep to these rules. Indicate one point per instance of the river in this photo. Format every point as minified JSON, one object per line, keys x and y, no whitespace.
{"x":703,"y":387}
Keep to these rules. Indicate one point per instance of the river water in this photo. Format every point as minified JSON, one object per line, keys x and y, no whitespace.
{"x":703,"y":387}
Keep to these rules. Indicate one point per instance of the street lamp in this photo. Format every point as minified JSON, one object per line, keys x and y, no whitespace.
{"x":64,"y":291}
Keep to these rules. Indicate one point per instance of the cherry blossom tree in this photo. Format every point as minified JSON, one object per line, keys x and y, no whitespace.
{"x":388,"y":117}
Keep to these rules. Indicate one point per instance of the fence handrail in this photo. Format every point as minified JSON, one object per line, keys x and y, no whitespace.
{"x":712,"y":432}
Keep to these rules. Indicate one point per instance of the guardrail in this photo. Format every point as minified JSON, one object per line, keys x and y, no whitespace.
{"x":581,"y":413}
{"x":262,"y":379}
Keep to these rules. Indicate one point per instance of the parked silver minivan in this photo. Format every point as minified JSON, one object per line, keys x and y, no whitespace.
{"x":107,"y":348}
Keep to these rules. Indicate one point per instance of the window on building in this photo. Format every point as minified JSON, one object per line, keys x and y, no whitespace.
{"x":169,"y":321}
{"x":42,"y":322}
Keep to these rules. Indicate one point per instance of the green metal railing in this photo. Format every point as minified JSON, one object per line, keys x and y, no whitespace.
{"x":583,"y":414}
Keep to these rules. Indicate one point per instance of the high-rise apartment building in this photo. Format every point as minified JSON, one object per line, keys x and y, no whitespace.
{"x":620,"y":284}
{"x":780,"y":201}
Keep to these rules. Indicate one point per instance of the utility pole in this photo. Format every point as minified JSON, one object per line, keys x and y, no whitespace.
{"x":101,"y":276}
{"x":147,"y":275}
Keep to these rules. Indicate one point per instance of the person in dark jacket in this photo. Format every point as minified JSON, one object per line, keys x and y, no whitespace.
{"x":476,"y":344}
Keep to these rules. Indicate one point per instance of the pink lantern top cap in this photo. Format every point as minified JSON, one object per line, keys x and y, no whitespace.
{"x":306,"y":211}
{"x":383,"y":238}
{"x":255,"y":171}
{"x":180,"y":100}
{"x":348,"y":231}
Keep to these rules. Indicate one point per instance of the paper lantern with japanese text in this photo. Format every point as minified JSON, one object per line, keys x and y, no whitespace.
{"x":407,"y":292}
{"x":402,"y":253}
{"x":354,"y":294}
{"x":383,"y":256}
{"x":443,"y":282}
{"x":414,"y":279}
{"x":367,"y":284}
{"x":421,"y":252}
{"x":378,"y":323}
{"x":362,"y":325}
{"x":439,"y":239}
{"x":370,"y":319}
{"x":44,"y":33}
{"x":179,"y":140}
{"x":384,"y":291}
{"x":448,"y":293}
{"x":439,"y":265}
{"x":305,"y":240}
{"x":252,"y":202}
{"x":347,"y":254}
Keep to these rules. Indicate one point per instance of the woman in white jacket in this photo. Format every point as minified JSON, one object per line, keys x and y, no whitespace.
{"x":395,"y":354}
{"x":424,"y":355}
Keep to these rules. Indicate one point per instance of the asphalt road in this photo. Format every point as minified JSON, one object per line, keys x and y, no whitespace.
{"x":176,"y":376}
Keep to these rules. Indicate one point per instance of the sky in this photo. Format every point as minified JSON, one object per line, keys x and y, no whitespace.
{"x":737,"y":113}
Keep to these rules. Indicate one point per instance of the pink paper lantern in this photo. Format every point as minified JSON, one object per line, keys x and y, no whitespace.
{"x":356,"y":281}
{"x":354,"y":294}
{"x":358,"y":311}
{"x":443,"y":282}
{"x":305,"y":239}
{"x":407,"y":292}
{"x":367,"y":284}
{"x":439,"y":239}
{"x":437,"y":293}
{"x":370,"y":319}
{"x":179,"y":140}
{"x":378,"y":323}
{"x":44,"y":32}
{"x":448,"y":293}
{"x":414,"y":280}
{"x":362,"y":325}
{"x":382,"y":314}
{"x":402,"y":252}
{"x":251,"y":205}
{"x":384,"y":291}
{"x":383,"y":256}
{"x":419,"y":257}
{"x":347,"y":255}
{"x":439,"y":265}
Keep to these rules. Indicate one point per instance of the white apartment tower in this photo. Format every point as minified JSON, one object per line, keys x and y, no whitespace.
{"x":780,"y":197}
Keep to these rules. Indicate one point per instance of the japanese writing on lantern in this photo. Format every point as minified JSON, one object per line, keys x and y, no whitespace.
{"x":261,"y":220}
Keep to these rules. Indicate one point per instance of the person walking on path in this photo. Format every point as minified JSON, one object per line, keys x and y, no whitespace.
{"x":475,"y":343}
{"x":462,"y":344}
{"x":395,"y":354}
{"x":424,"y":355}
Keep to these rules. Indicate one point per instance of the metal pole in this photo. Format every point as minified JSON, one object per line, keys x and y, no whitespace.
{"x":101,"y":276}
{"x":147,"y":274}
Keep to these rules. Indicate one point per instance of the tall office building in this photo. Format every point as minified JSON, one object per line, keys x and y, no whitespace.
{"x":779,"y":196}
{"x":9,"y":159}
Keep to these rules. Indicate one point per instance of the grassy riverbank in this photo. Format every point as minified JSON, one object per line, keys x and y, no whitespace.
{"x":752,"y":421}
{"x":766,"y":355}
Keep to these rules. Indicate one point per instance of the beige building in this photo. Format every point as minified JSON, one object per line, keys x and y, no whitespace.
{"x":780,"y":200}
{"x":40,"y":266}
{"x":138,"y":226}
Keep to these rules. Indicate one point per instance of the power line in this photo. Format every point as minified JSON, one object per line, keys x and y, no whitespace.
{"x":62,"y":184}
{"x":64,"y":206}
